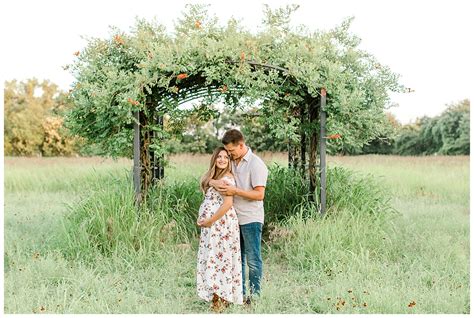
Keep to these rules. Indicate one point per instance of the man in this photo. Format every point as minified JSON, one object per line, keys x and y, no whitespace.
{"x":251,"y":178}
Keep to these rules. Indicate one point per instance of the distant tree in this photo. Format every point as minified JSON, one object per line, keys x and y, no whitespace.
{"x":33,"y":119}
{"x":454,"y":128}
{"x":408,"y":141}
{"x":446,"y":134}
{"x":385,"y":143}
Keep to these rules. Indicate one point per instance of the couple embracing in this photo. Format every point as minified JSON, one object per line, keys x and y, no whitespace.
{"x":231,"y":220}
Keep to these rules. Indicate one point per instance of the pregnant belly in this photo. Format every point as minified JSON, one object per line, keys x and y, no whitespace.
{"x":207,"y":209}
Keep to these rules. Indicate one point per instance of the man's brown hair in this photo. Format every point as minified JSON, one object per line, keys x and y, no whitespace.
{"x":232,"y":136}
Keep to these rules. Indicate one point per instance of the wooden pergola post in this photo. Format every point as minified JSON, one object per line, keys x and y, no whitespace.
{"x":312,"y":117}
{"x":148,"y":166}
{"x":313,"y":145}
{"x":137,"y":167}
{"x":156,"y":161}
{"x":322,"y":151}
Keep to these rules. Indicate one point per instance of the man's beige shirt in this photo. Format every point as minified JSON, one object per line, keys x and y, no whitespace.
{"x":250,"y":173}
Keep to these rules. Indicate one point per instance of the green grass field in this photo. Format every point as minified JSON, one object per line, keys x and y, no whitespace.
{"x":414,"y":262}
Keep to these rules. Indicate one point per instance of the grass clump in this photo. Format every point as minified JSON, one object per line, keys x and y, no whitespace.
{"x":109,"y":222}
{"x":287,"y":194}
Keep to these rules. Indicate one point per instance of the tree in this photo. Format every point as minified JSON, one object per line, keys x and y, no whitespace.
{"x":408,"y":141}
{"x":446,"y":134}
{"x":33,"y":119}
{"x":454,"y":129}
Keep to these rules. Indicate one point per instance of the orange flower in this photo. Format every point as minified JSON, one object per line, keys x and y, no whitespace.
{"x":182,"y":76}
{"x":197,"y":24}
{"x":133,"y":102}
{"x":223,"y":89}
{"x":76,"y":53}
{"x":334,"y":136}
{"x":242,"y":56}
{"x":118,"y":39}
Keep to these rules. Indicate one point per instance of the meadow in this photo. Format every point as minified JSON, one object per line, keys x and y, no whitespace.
{"x":413,"y":260}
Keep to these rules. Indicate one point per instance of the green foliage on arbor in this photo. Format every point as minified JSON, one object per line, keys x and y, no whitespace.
{"x":278,"y":68}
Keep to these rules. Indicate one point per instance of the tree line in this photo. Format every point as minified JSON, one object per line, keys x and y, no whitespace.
{"x":34,"y":125}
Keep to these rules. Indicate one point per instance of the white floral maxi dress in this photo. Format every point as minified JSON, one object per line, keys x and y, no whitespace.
{"x":219,"y":267}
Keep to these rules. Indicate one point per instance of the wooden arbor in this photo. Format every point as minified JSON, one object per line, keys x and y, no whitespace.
{"x":148,"y":166}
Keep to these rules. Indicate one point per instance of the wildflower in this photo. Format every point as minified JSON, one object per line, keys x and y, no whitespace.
{"x":334,"y":136}
{"x":133,"y":102}
{"x":118,"y":39}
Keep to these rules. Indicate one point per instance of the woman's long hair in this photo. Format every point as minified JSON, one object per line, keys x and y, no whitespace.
{"x":214,"y":172}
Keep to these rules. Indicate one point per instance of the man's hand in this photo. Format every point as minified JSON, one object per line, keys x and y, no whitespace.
{"x":228,"y":190}
{"x":204,"y":223}
{"x":219,"y":185}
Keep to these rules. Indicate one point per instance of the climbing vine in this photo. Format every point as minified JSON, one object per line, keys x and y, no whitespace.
{"x":281,"y":68}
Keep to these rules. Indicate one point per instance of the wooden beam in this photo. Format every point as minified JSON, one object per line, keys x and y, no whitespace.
{"x":322,"y":151}
{"x":136,"y":159}
{"x":313,"y":142}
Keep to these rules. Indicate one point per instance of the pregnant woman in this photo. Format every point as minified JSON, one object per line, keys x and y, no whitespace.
{"x":219,"y":266}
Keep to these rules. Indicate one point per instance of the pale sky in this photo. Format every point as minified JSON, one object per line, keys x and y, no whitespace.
{"x":427,"y":42}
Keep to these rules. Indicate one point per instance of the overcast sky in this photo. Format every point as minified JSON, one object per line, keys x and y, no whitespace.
{"x":427,"y":42}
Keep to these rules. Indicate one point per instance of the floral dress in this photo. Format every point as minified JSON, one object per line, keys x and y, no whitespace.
{"x":219,"y":267}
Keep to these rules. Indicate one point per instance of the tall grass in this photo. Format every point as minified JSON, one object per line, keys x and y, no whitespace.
{"x":66,"y":175}
{"x":287,"y":194}
{"x":108,"y":221}
{"x":100,"y":254}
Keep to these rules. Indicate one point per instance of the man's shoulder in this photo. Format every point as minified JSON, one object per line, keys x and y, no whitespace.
{"x":257,"y":161}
